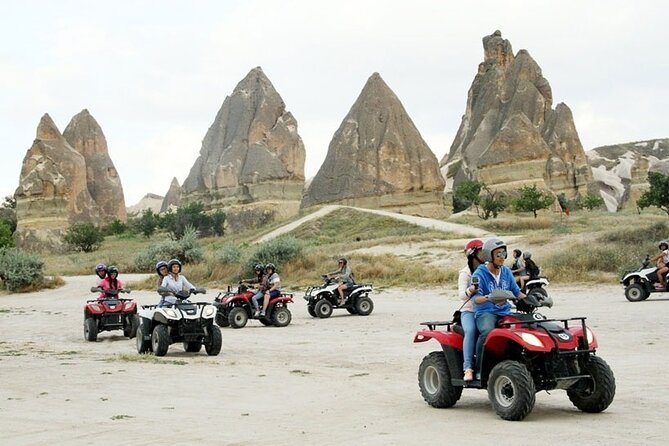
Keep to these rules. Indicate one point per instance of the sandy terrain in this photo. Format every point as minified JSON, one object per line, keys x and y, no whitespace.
{"x":343,"y":380}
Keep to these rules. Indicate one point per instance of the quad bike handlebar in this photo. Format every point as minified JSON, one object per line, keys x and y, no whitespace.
{"x":110,"y":292}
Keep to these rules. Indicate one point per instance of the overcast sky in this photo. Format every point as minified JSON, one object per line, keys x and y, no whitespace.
{"x":155,"y":73}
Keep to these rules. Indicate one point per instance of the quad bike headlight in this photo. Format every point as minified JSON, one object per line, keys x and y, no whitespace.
{"x":589,"y":336}
{"x":531,"y":339}
{"x":209,"y":311}
{"x":171,"y":313}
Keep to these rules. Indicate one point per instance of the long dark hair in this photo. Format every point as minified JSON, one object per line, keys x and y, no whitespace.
{"x":473,"y":258}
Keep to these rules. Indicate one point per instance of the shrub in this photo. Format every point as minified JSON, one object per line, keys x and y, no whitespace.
{"x":116,"y":227}
{"x":187,"y":250}
{"x":531,"y":199}
{"x":278,"y":251}
{"x":591,"y":202}
{"x":492,"y":203}
{"x":466,"y":194}
{"x":6,"y":239}
{"x":230,"y":253}
{"x":19,"y":269}
{"x":658,"y":194}
{"x":84,"y":237}
{"x":193,"y":215}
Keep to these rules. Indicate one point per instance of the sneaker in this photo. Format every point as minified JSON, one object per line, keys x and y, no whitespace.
{"x":469,"y":375}
{"x":478,"y":376}
{"x":257,"y":313}
{"x":262,"y":314}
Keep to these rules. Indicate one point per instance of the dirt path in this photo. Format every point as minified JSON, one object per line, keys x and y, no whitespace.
{"x":344,"y":380}
{"x":430,"y":223}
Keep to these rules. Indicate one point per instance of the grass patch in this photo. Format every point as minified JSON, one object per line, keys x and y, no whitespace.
{"x":145,"y":357}
{"x":121,"y":417}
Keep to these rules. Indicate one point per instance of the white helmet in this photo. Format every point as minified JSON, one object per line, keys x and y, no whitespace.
{"x":489,"y":246}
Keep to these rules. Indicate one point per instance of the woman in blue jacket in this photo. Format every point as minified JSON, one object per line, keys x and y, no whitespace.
{"x":493,"y":275}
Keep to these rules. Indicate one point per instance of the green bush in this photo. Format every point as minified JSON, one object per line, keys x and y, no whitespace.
{"x":6,"y":239}
{"x":187,"y":250}
{"x":278,"y":251}
{"x":230,"y":253}
{"x":532,"y":199}
{"x":116,"y":227}
{"x":19,"y":269}
{"x":84,"y":237}
{"x":193,"y":215}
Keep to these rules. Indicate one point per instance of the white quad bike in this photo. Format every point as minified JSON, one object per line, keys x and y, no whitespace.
{"x":639,"y":284}
{"x":181,"y":321}
{"x":323,"y":299}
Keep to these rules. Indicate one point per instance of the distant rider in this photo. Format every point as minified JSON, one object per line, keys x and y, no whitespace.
{"x":274,"y":286}
{"x":111,"y":282}
{"x":662,"y":263}
{"x":162,"y":271}
{"x":175,"y":281}
{"x":466,"y":291}
{"x":101,"y":272}
{"x":344,"y":277}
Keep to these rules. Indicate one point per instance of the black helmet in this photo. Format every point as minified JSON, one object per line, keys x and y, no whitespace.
{"x":100,"y":267}
{"x":343,"y":260}
{"x":160,"y":264}
{"x":172,"y":263}
{"x":270,"y":265}
{"x":489,"y":246}
{"x":259,"y":267}
{"x":663,"y":242}
{"x":112,"y":269}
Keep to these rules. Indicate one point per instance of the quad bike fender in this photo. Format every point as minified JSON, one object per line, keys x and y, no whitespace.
{"x":244,"y":297}
{"x":577,"y":332}
{"x":498,"y":340}
{"x":130,"y":307}
{"x":93,"y":309}
{"x":445,"y":338}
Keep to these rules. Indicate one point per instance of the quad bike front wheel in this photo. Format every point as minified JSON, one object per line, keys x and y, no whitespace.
{"x":214,"y":342}
{"x":160,"y":341}
{"x":311,"y":310}
{"x":434,"y":380}
{"x":635,"y":292}
{"x":323,"y":309}
{"x":238,"y":317}
{"x":222,"y":319}
{"x":281,"y":317}
{"x":131,"y":324}
{"x":143,"y":346}
{"x":511,"y":390}
{"x":90,"y":329}
{"x":594,"y":395}
{"x":364,"y":306}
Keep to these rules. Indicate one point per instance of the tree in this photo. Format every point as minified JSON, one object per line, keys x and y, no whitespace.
{"x":591,"y":202}
{"x":492,"y":203}
{"x":466,"y":194}
{"x":658,"y":194}
{"x":531,"y":199}
{"x":6,"y":239}
{"x":84,"y":237}
{"x":147,"y":223}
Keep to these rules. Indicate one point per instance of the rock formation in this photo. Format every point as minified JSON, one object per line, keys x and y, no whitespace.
{"x":620,"y":171}
{"x":52,"y":192}
{"x":172,"y":197}
{"x":252,"y":153}
{"x":148,"y":201}
{"x":510,"y":135}
{"x":85,"y":135}
{"x":377,"y":159}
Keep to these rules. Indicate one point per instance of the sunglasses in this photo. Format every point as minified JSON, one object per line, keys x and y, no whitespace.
{"x":501,"y":254}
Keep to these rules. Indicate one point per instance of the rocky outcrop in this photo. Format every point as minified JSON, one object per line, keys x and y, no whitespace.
{"x":620,"y":171}
{"x":172,"y":198}
{"x":378,"y":159}
{"x":252,"y":154}
{"x":53,"y":191}
{"x":510,"y":135}
{"x":148,"y":201}
{"x":84,"y":134}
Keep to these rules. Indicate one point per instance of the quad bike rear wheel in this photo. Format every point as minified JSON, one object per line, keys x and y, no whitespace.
{"x":281,"y":317}
{"x":511,"y":390}
{"x":143,"y":346}
{"x":160,"y":341}
{"x":594,"y":395}
{"x":364,"y":305}
{"x":214,"y":342}
{"x":434,"y":380}
{"x":635,"y":292}
{"x":238,"y":317}
{"x":90,"y":329}
{"x":323,"y":308}
{"x":192,"y":346}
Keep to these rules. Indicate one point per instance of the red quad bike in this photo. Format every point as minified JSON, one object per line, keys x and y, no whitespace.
{"x":110,"y":313}
{"x":235,"y":308}
{"x":524,"y":354}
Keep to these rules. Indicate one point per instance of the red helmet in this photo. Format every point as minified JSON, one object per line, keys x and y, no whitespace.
{"x":473,"y":246}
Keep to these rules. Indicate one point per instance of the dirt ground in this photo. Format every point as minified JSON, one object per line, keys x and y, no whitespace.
{"x":343,"y":380}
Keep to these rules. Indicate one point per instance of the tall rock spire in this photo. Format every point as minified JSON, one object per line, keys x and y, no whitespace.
{"x":378,"y":159}
{"x":510,"y":135}
{"x":251,"y":153}
{"x":84,"y":134}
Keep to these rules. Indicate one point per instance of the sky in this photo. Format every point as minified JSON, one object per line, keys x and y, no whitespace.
{"x":155,"y":73}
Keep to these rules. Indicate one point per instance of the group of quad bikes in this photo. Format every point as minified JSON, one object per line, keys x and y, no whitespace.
{"x":155,"y":328}
{"x":526,"y":352}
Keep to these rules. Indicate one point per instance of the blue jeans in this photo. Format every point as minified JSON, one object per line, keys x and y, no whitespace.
{"x":485,"y":322}
{"x":469,"y":326}
{"x":257,"y":297}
